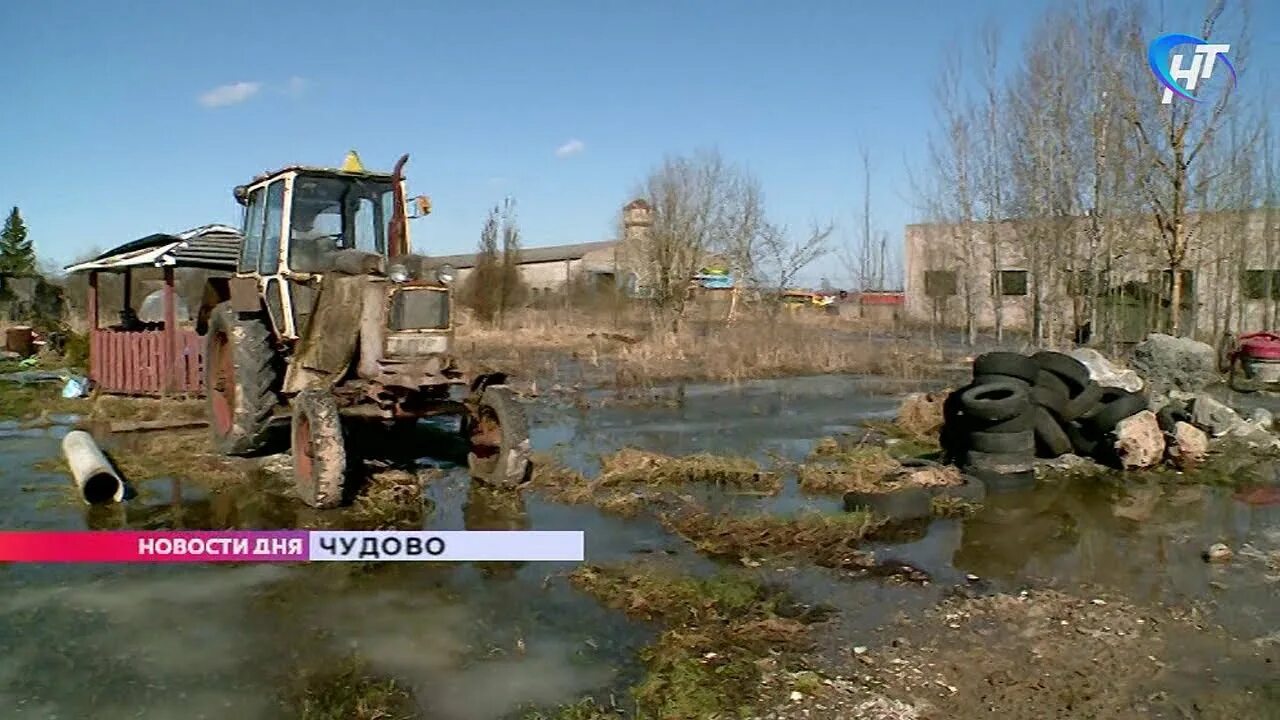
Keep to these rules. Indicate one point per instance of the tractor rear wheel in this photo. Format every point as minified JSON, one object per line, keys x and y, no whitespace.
{"x":319,"y":452}
{"x":497,"y":436}
{"x":241,"y":377}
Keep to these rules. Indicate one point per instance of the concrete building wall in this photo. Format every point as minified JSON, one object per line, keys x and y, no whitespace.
{"x":1231,"y":254}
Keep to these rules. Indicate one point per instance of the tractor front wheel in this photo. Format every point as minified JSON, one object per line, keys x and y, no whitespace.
{"x":319,"y":453}
{"x":497,"y":436}
{"x":241,"y":378}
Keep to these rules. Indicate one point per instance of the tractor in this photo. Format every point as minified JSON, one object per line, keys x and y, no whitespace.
{"x":330,"y":318}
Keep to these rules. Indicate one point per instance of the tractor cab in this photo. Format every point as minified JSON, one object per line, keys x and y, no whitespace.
{"x":303,"y":222}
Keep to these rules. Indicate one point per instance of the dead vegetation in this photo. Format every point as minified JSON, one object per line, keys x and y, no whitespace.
{"x":832,"y":469}
{"x":628,"y":352}
{"x":631,"y":466}
{"x":392,"y":500}
{"x":347,"y":691}
{"x":722,"y":636}
{"x":830,"y":541}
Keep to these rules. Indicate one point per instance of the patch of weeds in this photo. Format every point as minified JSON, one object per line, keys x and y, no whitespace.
{"x":571,"y":487}
{"x":348,"y":691}
{"x":120,"y":408}
{"x":585,"y":709}
{"x":29,"y":402}
{"x":842,"y":470}
{"x":391,"y":500}
{"x":180,"y":455}
{"x":953,"y":507}
{"x":828,"y":540}
{"x":927,"y":441}
{"x":631,"y":466}
{"x":719,"y":631}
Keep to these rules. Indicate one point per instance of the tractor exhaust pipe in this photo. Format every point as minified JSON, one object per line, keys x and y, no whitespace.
{"x":399,"y":240}
{"x":99,"y":483}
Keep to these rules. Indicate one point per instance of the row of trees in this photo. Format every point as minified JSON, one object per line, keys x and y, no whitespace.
{"x":1099,"y":178}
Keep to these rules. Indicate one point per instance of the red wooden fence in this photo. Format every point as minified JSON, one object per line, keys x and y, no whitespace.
{"x":133,"y":362}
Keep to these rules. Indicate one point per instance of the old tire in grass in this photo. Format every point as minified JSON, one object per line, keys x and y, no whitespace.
{"x":319,"y":452}
{"x":1006,"y":363}
{"x":497,"y":435}
{"x":1011,"y":443}
{"x":241,"y":377}
{"x":1051,"y":440}
{"x":909,"y":503}
{"x":1116,"y":406}
{"x":995,"y":401}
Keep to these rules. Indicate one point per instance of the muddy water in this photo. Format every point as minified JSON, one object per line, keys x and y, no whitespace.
{"x":478,"y":642}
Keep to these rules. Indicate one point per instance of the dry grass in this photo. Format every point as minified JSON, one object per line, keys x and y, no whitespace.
{"x":392,"y":500}
{"x":571,"y":487}
{"x":826,"y":540}
{"x":347,"y":692}
{"x":832,"y":469}
{"x":181,"y":455}
{"x":720,"y":634}
{"x":629,"y":353}
{"x":631,"y":466}
{"x":116,"y":407}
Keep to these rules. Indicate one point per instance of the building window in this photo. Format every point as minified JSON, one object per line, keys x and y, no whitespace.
{"x":1012,"y":282}
{"x":939,"y":283}
{"x":1253,"y":284}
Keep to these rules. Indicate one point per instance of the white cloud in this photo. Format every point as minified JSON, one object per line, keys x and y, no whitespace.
{"x":297,"y":86}
{"x":573,"y":147}
{"x":232,"y":94}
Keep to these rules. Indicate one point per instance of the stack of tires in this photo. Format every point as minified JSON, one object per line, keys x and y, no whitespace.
{"x":1020,"y":408}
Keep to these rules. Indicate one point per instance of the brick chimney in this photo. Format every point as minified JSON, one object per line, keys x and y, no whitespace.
{"x":637,"y":218}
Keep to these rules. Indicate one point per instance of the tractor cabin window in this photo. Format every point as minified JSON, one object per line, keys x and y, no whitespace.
{"x":269,"y":263}
{"x":253,"y":215}
{"x":332,"y":214}
{"x":1012,"y":282}
{"x":939,"y":283}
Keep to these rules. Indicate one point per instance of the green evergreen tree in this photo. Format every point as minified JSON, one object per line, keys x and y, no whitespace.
{"x":17,"y":257}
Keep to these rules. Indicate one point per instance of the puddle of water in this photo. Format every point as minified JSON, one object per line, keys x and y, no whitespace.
{"x":479,"y":641}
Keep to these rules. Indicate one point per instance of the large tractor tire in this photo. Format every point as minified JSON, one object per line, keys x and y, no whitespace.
{"x":497,"y":436}
{"x":319,"y":451}
{"x":241,"y":377}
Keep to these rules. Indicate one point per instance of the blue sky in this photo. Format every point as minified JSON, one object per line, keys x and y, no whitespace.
{"x":127,"y":118}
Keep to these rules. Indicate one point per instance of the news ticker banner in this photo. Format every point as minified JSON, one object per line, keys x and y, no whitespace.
{"x":290,"y":546}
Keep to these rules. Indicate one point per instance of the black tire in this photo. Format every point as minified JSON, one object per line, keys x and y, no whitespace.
{"x":997,"y":379}
{"x":1082,"y":403}
{"x":909,"y":503}
{"x":1062,"y":365}
{"x":1053,"y":383}
{"x":498,"y":439}
{"x":1125,"y":404}
{"x":1019,"y":423}
{"x":1020,"y":443}
{"x":972,"y":490}
{"x":1006,"y":363}
{"x":1083,"y":443}
{"x":241,"y":379}
{"x":1169,"y":416}
{"x":1002,"y":482}
{"x":1051,"y":440}
{"x":1049,"y":400}
{"x":995,"y":401}
{"x":999,"y":462}
{"x":319,"y":451}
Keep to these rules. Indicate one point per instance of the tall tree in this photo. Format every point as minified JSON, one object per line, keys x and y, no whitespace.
{"x":478,"y":291}
{"x":17,"y":257}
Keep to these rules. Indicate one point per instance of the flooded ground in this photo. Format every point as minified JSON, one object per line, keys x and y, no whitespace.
{"x":479,"y":642}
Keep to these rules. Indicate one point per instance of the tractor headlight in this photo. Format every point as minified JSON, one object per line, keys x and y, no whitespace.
{"x":445,"y":274}
{"x":398,"y":273}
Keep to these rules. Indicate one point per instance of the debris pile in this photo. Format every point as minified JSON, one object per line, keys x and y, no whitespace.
{"x":1022,"y":408}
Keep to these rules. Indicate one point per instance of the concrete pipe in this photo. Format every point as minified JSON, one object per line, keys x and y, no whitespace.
{"x":99,"y":483}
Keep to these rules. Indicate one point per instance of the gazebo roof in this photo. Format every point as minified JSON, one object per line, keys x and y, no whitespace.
{"x":209,"y":247}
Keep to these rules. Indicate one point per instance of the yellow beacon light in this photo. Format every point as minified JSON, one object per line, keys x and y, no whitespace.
{"x":352,"y":163}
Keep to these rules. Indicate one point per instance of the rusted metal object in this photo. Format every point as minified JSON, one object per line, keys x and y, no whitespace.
{"x":398,"y":230}
{"x":19,"y":339}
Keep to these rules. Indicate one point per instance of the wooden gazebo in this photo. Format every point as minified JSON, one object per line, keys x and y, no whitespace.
{"x":133,"y":357}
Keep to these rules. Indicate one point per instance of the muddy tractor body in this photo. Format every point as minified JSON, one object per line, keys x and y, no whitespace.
{"x":332,"y":317}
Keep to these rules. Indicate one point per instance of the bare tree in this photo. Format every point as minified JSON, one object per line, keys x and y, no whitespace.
{"x":1171,"y":138}
{"x":510,"y":290}
{"x":783,"y":259}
